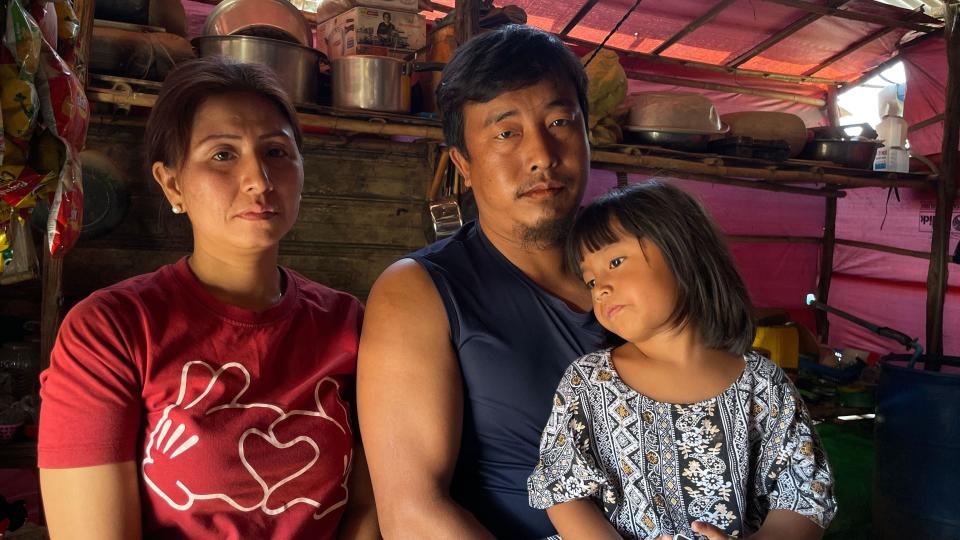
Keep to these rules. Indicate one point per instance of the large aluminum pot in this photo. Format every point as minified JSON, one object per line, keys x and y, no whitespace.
{"x":277,"y":19}
{"x":374,"y":83}
{"x":297,"y":67}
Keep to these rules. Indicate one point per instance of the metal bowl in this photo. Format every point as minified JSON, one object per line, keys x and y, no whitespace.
{"x":260,"y":18}
{"x":297,"y":67}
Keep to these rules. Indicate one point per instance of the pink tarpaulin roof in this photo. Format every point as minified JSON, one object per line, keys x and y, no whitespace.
{"x":735,"y":30}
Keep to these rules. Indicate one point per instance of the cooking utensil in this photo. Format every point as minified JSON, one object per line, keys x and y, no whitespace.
{"x":264,"y":18}
{"x":297,"y":67}
{"x":376,"y":83}
{"x":691,"y":141}
{"x":676,"y":112}
{"x":765,"y":125}
{"x":855,"y":154}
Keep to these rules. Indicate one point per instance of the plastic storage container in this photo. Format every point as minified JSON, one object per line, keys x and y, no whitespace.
{"x":783,"y":342}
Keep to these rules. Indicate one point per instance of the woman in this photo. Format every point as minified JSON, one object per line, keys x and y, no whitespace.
{"x":211,"y":398}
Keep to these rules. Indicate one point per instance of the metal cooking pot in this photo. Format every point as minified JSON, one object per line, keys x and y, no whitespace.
{"x":375,"y":83}
{"x":297,"y":67}
{"x":277,"y":19}
{"x":855,"y":154}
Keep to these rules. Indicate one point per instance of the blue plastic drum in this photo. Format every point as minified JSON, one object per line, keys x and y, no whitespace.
{"x":916,"y":491}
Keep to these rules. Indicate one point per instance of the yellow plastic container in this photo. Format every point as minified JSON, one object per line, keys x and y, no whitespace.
{"x":783,"y":342}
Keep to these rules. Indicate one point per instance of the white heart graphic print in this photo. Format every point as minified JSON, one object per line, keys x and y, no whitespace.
{"x":211,"y":446}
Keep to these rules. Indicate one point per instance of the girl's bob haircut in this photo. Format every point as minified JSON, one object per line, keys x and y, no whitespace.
{"x":711,"y":295}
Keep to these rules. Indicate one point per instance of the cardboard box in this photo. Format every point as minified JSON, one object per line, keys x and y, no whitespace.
{"x":327,"y":9}
{"x":358,"y":30}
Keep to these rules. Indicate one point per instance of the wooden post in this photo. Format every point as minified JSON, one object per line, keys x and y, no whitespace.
{"x":466,"y":20}
{"x":52,"y":273}
{"x":826,"y":266}
{"x":946,"y":187}
{"x":827,"y":247}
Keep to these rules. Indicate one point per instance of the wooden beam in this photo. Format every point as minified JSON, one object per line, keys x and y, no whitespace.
{"x":853,"y":15}
{"x":795,"y":27}
{"x":707,"y":67}
{"x":696,"y":23}
{"x":466,"y":19}
{"x":783,"y":96}
{"x":826,"y":267}
{"x":884,"y":248}
{"x":578,"y":16}
{"x":938,"y":272}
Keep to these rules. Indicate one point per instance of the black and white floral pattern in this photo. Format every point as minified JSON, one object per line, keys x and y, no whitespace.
{"x":655,"y":467}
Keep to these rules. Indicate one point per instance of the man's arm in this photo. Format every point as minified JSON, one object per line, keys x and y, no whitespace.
{"x":92,"y":503}
{"x":410,"y":404}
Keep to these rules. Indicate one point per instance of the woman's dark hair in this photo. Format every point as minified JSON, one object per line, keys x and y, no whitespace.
{"x":189,"y":85}
{"x":711,"y":295}
{"x":509,"y":58}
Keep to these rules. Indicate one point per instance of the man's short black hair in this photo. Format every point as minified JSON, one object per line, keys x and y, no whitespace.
{"x":508,"y":58}
{"x":711,"y":295}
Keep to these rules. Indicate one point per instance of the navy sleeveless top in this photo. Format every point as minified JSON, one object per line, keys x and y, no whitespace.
{"x":514,"y":340}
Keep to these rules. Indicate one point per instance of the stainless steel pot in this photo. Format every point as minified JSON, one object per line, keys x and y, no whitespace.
{"x":297,"y":67}
{"x":375,"y":83}
{"x":262,"y":18}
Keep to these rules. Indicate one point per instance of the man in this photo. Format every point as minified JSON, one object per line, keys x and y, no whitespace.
{"x":465,"y":341}
{"x":386,"y":31}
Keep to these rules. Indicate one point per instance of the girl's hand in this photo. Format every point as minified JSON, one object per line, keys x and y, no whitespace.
{"x":705,"y":529}
{"x":711,"y":532}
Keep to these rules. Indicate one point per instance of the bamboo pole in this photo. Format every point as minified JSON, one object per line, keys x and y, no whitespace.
{"x":716,"y":179}
{"x":771,"y":175}
{"x":795,"y":27}
{"x":783,"y":96}
{"x":883,"y":66}
{"x":578,"y":16}
{"x":924,"y":123}
{"x":773,"y":239}
{"x":688,"y":29}
{"x":884,"y":248}
{"x":946,"y":187}
{"x":856,"y":46}
{"x":853,"y":15}
{"x":706,"y":67}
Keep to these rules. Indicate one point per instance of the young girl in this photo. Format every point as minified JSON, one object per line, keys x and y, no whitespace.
{"x":679,"y":429}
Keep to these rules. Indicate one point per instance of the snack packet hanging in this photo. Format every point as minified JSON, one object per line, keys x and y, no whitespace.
{"x":68,"y":30}
{"x":63,"y":103}
{"x":17,"y":185}
{"x":20,"y":259}
{"x":22,"y":38}
{"x":66,"y":209}
{"x":18,"y":103}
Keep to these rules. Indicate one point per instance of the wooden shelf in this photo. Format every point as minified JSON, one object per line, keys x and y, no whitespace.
{"x":800,"y":177}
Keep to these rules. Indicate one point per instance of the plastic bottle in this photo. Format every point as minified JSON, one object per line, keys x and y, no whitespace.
{"x":892,"y":156}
